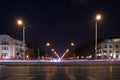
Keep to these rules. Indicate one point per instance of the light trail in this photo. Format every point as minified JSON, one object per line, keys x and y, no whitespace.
{"x":64,"y":53}
{"x":55,"y":53}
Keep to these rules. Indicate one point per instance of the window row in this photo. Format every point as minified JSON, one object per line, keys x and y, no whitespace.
{"x":4,"y":54}
{"x":18,"y":44}
{"x":7,"y":43}
{"x":110,"y":51}
{"x":110,"y":46}
{"x":5,"y":48}
{"x":4,"y":43}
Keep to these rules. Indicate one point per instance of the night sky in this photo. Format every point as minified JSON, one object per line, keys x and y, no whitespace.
{"x":59,"y":21}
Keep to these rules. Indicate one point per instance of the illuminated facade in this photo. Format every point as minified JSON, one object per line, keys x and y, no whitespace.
{"x":109,"y":49}
{"x":11,"y":48}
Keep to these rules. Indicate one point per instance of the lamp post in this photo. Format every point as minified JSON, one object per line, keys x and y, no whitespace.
{"x":47,"y":49}
{"x":72,"y":50}
{"x":20,"y":22}
{"x":38,"y":53}
{"x":98,"y":17}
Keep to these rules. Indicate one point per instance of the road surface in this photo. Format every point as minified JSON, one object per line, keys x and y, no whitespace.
{"x":59,"y":72}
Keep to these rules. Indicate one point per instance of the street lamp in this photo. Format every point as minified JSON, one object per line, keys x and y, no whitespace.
{"x":47,"y":44}
{"x":98,"y":18}
{"x":72,"y":44}
{"x":47,"y":49}
{"x":20,"y":22}
{"x":38,"y":53}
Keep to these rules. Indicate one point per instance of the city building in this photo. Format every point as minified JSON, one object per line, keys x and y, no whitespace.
{"x":109,"y":49}
{"x":11,"y":48}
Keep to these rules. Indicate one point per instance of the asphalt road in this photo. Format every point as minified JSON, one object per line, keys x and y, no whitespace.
{"x":59,"y":72}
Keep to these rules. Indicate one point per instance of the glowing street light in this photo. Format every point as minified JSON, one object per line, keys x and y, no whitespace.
{"x":27,"y":56}
{"x":72,"y":44}
{"x":97,"y":18}
{"x":47,"y":49}
{"x":47,"y":44}
{"x":20,"y":23}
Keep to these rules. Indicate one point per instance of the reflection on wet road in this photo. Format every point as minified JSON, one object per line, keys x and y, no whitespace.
{"x":59,"y":73}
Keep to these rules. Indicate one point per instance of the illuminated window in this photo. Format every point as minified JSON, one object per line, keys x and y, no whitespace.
{"x":4,"y":43}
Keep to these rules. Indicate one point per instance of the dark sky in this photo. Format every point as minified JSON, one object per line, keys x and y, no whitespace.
{"x":59,"y":21}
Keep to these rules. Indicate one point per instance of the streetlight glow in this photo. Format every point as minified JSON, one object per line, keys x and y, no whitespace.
{"x":98,"y":17}
{"x":48,"y":44}
{"x":72,"y":44}
{"x":19,"y":22}
{"x":27,"y":56}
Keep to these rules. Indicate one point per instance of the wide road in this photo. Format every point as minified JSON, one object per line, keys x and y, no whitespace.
{"x":59,"y":72}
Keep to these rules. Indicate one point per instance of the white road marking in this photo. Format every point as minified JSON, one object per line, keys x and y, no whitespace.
{"x":72,"y":77}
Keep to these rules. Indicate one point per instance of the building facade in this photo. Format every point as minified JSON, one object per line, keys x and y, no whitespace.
{"x":11,"y":48}
{"x":109,"y":49}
